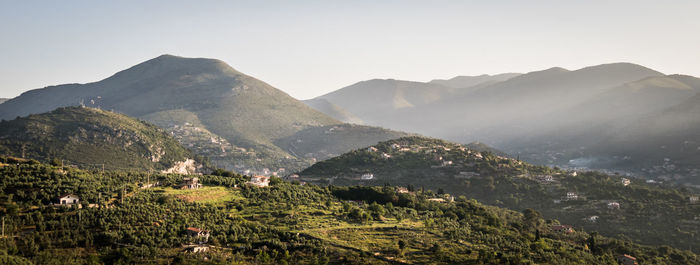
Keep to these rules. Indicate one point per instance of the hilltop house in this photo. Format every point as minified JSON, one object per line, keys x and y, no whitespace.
{"x":563,"y":229}
{"x":367,"y":176}
{"x":613,"y":205}
{"x":259,"y":181}
{"x":401,"y":190}
{"x":371,"y":149}
{"x":626,"y":260}
{"x":626,"y":182}
{"x":200,"y":234}
{"x":190,"y":183}
{"x":68,"y":199}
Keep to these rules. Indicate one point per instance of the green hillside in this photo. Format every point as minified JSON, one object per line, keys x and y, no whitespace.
{"x":123,"y":222}
{"x":203,"y":96}
{"x":89,"y":138}
{"x":648,"y":213}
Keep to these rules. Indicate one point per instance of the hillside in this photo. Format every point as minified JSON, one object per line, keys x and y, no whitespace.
{"x":91,"y":138}
{"x":124,"y":221}
{"x":647,"y":213}
{"x":613,"y":117}
{"x":471,"y":81}
{"x":374,"y":101}
{"x":202,"y":101}
{"x":3,"y":100}
{"x":324,"y":106}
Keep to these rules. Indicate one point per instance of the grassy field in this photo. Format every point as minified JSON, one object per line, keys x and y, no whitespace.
{"x":206,"y":195}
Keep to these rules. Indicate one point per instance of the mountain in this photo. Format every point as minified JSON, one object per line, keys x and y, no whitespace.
{"x":3,"y":100}
{"x":225,"y":115}
{"x":647,"y":213}
{"x":471,"y":81}
{"x":91,"y":138}
{"x":374,"y":101}
{"x":324,"y":106}
{"x":124,"y":220}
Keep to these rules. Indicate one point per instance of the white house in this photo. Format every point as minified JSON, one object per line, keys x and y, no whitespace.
{"x":68,"y":199}
{"x":571,"y":196}
{"x":626,"y":182}
{"x":200,"y":234}
{"x":190,"y":183}
{"x":367,"y":176}
{"x":259,"y":181}
{"x":371,"y":149}
{"x":693,"y":199}
{"x":593,"y":218}
{"x":446,"y":163}
{"x":613,"y":205}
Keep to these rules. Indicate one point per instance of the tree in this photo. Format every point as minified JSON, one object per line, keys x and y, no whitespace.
{"x":531,"y":219}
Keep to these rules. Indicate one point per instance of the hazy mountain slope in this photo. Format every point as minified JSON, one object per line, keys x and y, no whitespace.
{"x":634,"y":99}
{"x":205,"y":93}
{"x":523,"y":98}
{"x":651,"y":214}
{"x":324,"y":106}
{"x":89,"y":138}
{"x":470,"y":81}
{"x":375,"y":100}
{"x":3,"y":100}
{"x":665,"y":143}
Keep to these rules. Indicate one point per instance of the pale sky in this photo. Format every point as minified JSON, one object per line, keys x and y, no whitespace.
{"x":309,"y":48}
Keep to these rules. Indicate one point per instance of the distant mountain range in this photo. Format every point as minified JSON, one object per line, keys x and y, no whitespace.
{"x":612,"y":116}
{"x":95,"y":139}
{"x":233,"y":119}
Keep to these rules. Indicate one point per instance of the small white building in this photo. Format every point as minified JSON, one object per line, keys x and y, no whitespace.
{"x":593,"y":218}
{"x":367,"y":176}
{"x":693,"y":199}
{"x":386,"y":156}
{"x":571,"y":196}
{"x":613,"y":205}
{"x":626,"y":182}
{"x":259,"y":181}
{"x":198,"y":233}
{"x":371,"y":149}
{"x":446,"y":163}
{"x":68,"y":199}
{"x":190,"y":183}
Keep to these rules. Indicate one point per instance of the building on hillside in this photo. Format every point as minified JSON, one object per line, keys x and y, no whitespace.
{"x":68,"y":199}
{"x":401,"y":190}
{"x":562,"y":229}
{"x":446,"y":163}
{"x":626,"y":260}
{"x":395,"y":146}
{"x":571,"y":196}
{"x":573,"y":174}
{"x":626,"y":182}
{"x":371,"y":149}
{"x":614,"y":205}
{"x":190,"y":183}
{"x":386,"y":156}
{"x":593,"y":218}
{"x":694,"y":199}
{"x":196,"y":248}
{"x":545,"y":178}
{"x":259,"y":181}
{"x":199,"y":234}
{"x":367,"y":176}
{"x":441,"y":200}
